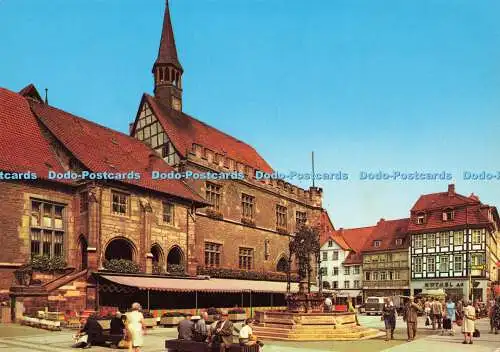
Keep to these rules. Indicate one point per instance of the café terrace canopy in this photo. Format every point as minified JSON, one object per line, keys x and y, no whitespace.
{"x":201,"y":285}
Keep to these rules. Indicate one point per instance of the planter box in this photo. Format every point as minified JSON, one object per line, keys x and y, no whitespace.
{"x":5,"y":315}
{"x":237,"y":316}
{"x":164,"y":321}
{"x":150,"y":322}
{"x":105,"y":324}
{"x":58,"y":316}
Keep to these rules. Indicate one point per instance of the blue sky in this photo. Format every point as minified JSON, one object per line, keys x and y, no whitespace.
{"x":368,"y":85}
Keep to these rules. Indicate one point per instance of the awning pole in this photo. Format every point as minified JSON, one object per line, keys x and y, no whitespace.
{"x":148,"y":299}
{"x":251,"y":309}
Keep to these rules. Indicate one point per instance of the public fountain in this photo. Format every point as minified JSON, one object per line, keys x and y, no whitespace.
{"x":305,"y":318}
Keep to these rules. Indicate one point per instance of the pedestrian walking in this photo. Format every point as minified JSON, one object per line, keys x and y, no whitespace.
{"x":328,"y":304}
{"x":351,"y":309}
{"x":389,"y":315}
{"x":411,"y":317}
{"x":491,"y":313}
{"x":427,"y":310}
{"x":136,"y":327}
{"x":496,"y":316}
{"x":437,"y":314}
{"x":469,"y":325}
{"x":450,"y":316}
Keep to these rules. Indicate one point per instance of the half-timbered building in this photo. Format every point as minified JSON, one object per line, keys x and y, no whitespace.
{"x":454,"y":244}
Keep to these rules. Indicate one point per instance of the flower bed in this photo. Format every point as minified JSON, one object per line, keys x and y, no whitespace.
{"x":237,"y":314}
{"x":244,"y":274}
{"x":122,"y":266}
{"x":171,"y":319}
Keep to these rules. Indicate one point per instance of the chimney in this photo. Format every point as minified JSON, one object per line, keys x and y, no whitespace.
{"x":451,"y":189}
{"x":130,"y":127}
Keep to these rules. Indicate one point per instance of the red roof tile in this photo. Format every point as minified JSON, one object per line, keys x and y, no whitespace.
{"x":355,"y":238}
{"x":467,"y":211}
{"x":442,"y":200}
{"x":387,"y":232}
{"x":184,"y":131}
{"x":101,"y":149}
{"x":22,"y":145}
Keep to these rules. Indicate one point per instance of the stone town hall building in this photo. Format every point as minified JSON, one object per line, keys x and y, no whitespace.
{"x":235,"y":229}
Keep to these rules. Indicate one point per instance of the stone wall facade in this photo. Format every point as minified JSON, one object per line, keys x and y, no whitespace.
{"x":230,"y":229}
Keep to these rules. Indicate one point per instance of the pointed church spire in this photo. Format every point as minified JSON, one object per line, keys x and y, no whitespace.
{"x":167,"y":53}
{"x":167,"y":69}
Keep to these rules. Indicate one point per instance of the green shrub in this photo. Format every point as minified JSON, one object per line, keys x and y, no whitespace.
{"x":244,"y":274}
{"x":44,"y":263}
{"x":122,"y":266}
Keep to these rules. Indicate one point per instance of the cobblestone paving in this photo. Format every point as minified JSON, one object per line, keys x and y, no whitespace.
{"x":17,"y":338}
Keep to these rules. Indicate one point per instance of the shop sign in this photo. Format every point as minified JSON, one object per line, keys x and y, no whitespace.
{"x":443,"y":284}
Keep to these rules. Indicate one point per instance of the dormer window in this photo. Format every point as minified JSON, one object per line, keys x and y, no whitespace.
{"x":399,"y":241}
{"x":376,"y":243}
{"x":448,"y":215}
{"x":420,"y":219}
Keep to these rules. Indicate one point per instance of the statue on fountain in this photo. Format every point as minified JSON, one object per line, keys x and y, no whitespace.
{"x":305,"y":246}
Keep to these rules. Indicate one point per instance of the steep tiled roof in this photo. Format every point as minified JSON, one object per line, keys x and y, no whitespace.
{"x":184,"y":131}
{"x":467,"y":211}
{"x":355,"y":237}
{"x":442,"y":200}
{"x":387,"y":232}
{"x":167,"y":53}
{"x":22,"y":145}
{"x":101,"y":149}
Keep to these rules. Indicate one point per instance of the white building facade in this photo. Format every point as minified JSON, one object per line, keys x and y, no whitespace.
{"x":345,"y":280}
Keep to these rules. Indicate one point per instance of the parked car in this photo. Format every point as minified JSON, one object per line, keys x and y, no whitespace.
{"x":374,"y":305}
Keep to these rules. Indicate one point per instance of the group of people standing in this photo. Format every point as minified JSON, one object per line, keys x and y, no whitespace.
{"x":440,"y":315}
{"x":219,"y":334}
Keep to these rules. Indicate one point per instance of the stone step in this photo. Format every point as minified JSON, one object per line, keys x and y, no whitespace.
{"x":337,"y":335}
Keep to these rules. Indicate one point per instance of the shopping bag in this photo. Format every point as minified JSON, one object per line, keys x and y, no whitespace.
{"x":123,"y":344}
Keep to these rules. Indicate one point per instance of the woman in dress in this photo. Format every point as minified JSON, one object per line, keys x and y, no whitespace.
{"x":468,"y":326}
{"x":451,"y":315}
{"x":389,"y":315}
{"x":496,"y":316}
{"x":136,"y":327}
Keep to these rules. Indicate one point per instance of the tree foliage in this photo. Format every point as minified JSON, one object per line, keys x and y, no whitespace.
{"x":303,"y":246}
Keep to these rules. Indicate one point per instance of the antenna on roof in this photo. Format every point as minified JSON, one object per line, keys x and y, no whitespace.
{"x":47,"y":96}
{"x":312,"y":161}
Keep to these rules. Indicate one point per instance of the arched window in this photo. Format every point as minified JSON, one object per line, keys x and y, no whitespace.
{"x":282,"y":265}
{"x":158,"y":259}
{"x":175,"y":260}
{"x":119,"y":248}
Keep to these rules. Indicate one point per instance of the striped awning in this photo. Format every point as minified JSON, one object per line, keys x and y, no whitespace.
{"x":200,"y":285}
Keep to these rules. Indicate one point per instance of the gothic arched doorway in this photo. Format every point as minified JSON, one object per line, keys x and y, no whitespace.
{"x":82,"y":243}
{"x":158,"y":259}
{"x":119,"y":248}
{"x":282,"y":265}
{"x":175,"y":260}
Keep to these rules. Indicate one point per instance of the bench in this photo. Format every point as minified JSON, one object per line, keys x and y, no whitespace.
{"x":193,"y":346}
